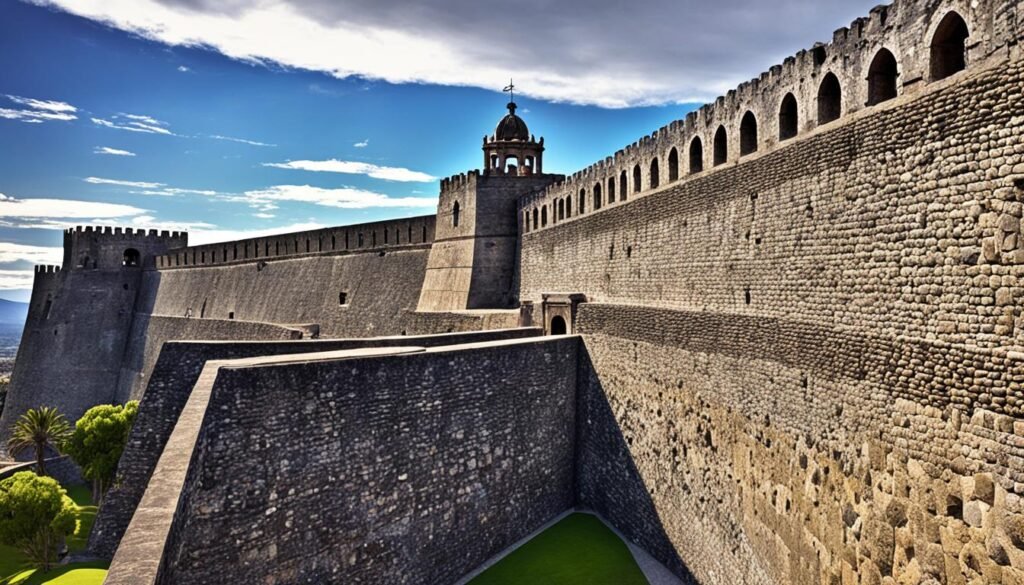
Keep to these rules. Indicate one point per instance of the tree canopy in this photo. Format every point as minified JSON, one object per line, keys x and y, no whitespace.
{"x":35,"y":512}
{"x":99,"y":439}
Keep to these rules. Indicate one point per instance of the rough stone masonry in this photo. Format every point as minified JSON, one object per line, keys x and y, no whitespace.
{"x":797,"y":348}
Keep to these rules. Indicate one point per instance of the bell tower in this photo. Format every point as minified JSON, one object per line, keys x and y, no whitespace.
{"x":472,"y":262}
{"x":512,"y":150}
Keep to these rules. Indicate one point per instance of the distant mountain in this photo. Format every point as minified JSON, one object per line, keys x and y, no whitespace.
{"x":13,"y":313}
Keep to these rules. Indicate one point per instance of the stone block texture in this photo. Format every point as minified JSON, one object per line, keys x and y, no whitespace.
{"x":408,"y":469}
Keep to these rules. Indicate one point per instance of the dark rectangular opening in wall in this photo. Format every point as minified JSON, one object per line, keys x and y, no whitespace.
{"x":343,"y":298}
{"x":231,"y":315}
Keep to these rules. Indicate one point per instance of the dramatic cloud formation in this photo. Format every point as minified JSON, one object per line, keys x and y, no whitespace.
{"x":356,"y":168}
{"x":346,"y":198}
{"x":134,"y":123}
{"x":112,"y":151}
{"x":604,"y":52}
{"x":36,"y":111}
{"x":241,"y":140}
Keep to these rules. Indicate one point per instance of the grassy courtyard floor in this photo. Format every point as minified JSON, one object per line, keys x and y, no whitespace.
{"x":13,"y":566}
{"x":578,"y":550}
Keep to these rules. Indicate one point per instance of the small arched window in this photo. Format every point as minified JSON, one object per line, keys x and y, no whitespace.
{"x":536,"y":216}
{"x":544,"y":216}
{"x":882,"y":77}
{"x":696,"y":155}
{"x":949,"y":47}
{"x":636,"y":179}
{"x":655,"y":175}
{"x":455,"y":214}
{"x":568,"y":206}
{"x":673,"y":165}
{"x":131,"y":258}
{"x":597,"y":197}
{"x":830,"y":99}
{"x":561,"y":209}
{"x":788,"y":118}
{"x":611,"y":190}
{"x":721,"y":146}
{"x":583,"y":201}
{"x":623,"y":188}
{"x":748,"y":134}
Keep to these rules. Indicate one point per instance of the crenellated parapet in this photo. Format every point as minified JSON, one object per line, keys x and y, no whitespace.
{"x":459,"y":181}
{"x":115,"y":248}
{"x":897,"y":51}
{"x":359,"y":238}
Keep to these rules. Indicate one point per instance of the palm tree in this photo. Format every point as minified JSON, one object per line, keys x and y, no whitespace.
{"x":38,"y":429}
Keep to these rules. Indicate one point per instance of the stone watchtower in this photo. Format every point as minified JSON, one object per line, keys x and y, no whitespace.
{"x":80,"y":320}
{"x":473,"y":260}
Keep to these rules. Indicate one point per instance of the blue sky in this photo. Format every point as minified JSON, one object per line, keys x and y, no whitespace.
{"x":129,"y":115}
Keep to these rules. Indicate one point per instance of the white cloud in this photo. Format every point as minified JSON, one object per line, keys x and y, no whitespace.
{"x":241,"y":140}
{"x":172,"y":191}
{"x":62,"y":209}
{"x":134,"y":123}
{"x":346,"y":198}
{"x":11,"y":252}
{"x":264,"y":215}
{"x":355,"y":168}
{"x":183,"y":69}
{"x":120,"y":183}
{"x":112,"y":151}
{"x":602,"y":52}
{"x":35,"y":111}
{"x":362,"y":143}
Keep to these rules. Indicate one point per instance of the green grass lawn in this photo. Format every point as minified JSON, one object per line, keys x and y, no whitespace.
{"x":578,"y":550}
{"x":13,"y":568}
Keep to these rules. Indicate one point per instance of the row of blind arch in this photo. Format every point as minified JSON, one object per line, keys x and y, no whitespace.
{"x":948,"y":56}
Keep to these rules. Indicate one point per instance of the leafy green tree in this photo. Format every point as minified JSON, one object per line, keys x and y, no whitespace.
{"x":39,"y":429}
{"x":35,"y":516}
{"x":98,"y":441}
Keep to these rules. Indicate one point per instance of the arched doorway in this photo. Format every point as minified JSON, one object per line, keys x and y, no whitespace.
{"x":558,"y":325}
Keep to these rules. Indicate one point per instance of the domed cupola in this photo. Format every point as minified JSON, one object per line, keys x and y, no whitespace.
{"x":512,"y":127}
{"x":512,"y":150}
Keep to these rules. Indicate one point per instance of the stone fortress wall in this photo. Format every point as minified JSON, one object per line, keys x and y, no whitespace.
{"x":808,"y":360}
{"x":425,"y":462}
{"x":81,"y":314}
{"x":800,"y":360}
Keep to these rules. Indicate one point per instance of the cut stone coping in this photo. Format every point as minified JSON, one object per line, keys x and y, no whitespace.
{"x":138,"y":557}
{"x":409,"y":340}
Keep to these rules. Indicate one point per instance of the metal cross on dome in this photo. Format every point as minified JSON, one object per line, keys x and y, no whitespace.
{"x":511,"y":89}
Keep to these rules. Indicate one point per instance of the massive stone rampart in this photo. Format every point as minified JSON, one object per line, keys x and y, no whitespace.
{"x":417,"y":466}
{"x":347,"y":294}
{"x":806,"y":367}
{"x":176,"y":372}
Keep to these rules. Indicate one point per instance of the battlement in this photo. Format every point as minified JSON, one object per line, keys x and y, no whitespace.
{"x":47,"y":269}
{"x":414,"y":231}
{"x":124,"y":232}
{"x":459,"y":181}
{"x":879,"y":60}
{"x":113,"y":248}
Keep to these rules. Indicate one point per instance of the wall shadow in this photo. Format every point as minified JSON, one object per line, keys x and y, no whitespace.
{"x":607,"y":478}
